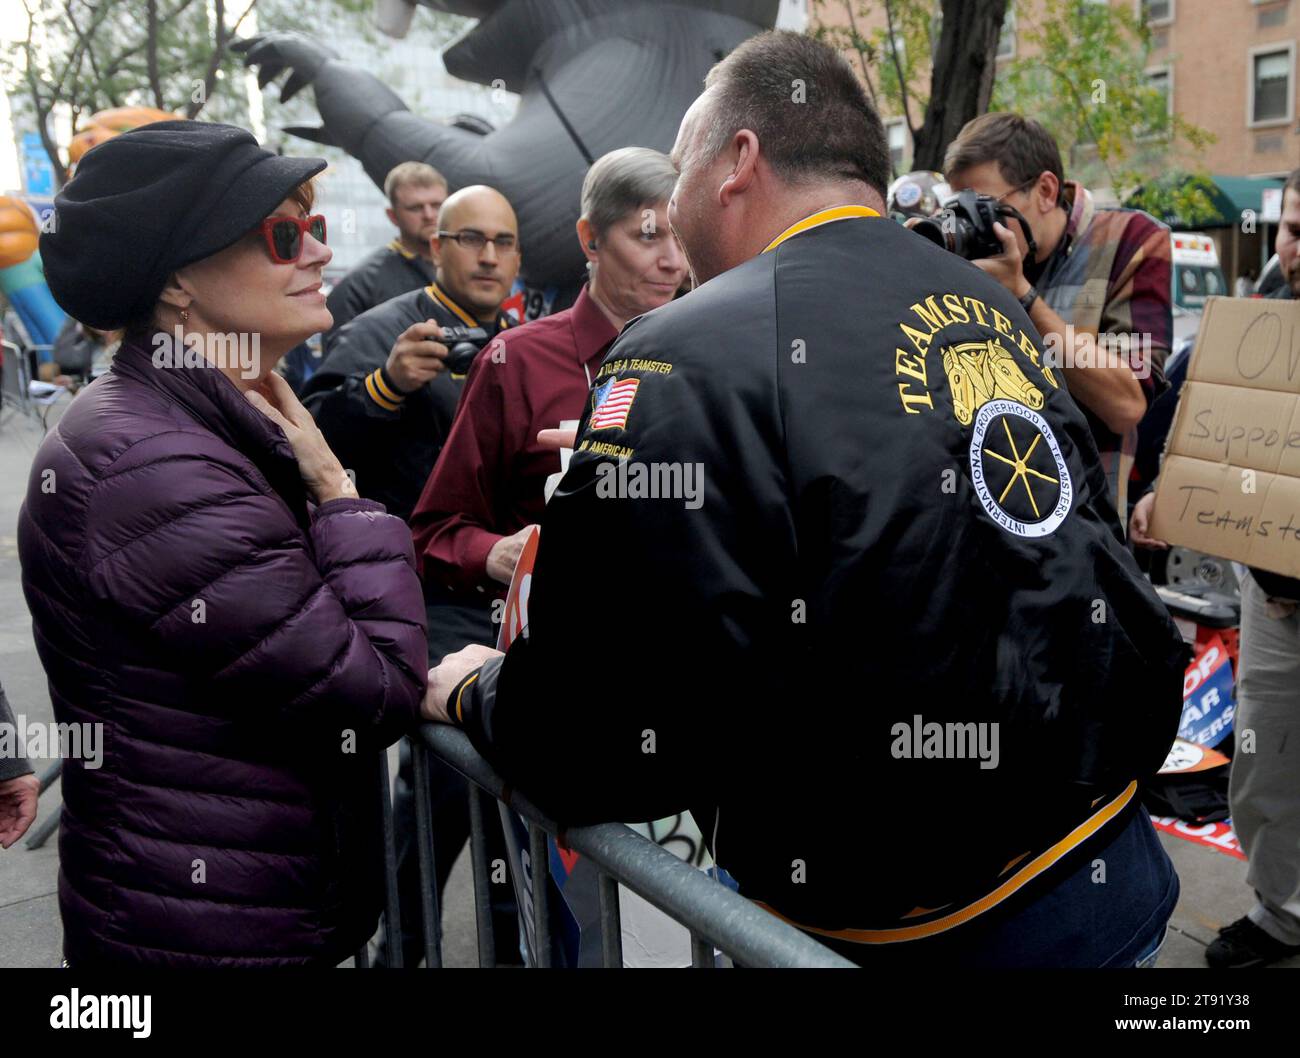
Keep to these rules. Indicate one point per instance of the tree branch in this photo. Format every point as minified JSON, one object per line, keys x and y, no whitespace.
{"x":151,"y":52}
{"x":223,"y":38}
{"x":42,"y":110}
{"x":898,"y":68}
{"x":862,"y":59}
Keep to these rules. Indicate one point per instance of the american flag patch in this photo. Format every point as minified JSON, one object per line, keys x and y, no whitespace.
{"x":613,"y":401}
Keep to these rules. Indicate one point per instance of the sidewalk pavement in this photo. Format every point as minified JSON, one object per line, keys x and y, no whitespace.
{"x":1214,"y":892}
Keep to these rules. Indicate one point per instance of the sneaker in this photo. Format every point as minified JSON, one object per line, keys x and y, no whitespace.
{"x":1244,"y":944}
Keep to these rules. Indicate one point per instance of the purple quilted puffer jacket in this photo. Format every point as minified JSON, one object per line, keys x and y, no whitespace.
{"x":247,"y":655}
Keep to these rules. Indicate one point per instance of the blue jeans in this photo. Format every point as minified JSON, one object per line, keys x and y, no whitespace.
{"x":1083,"y":921}
{"x":1147,"y":960}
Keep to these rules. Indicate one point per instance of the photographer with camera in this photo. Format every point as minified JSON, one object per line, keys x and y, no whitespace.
{"x":1095,"y":282}
{"x":385,"y":395}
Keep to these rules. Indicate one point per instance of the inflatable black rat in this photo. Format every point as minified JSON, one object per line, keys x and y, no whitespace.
{"x":592,"y":75}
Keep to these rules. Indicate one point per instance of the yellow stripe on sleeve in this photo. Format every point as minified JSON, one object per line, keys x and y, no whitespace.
{"x":460,"y":719}
{"x":372,"y":387}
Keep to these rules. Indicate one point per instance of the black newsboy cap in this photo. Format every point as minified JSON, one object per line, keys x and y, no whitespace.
{"x":153,"y":200}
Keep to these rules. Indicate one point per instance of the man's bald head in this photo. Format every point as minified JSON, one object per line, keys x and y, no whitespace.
{"x":478,"y":278}
{"x":476,"y":202}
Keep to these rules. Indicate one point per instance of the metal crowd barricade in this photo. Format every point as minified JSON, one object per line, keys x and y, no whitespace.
{"x":715,"y":916}
{"x":19,"y":360}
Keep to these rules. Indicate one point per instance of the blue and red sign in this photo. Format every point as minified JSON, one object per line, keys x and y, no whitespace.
{"x":1208,"y":701}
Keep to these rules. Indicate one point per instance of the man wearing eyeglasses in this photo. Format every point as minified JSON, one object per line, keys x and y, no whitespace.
{"x":416,"y":192}
{"x":1097,"y":279}
{"x":383,"y":397}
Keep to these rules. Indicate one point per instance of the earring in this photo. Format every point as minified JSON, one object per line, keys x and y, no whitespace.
{"x":185,"y":315}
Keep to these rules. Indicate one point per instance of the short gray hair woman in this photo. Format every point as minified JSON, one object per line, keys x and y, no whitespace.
{"x":635,"y":261}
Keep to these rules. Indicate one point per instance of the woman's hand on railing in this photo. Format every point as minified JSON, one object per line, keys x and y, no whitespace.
{"x":445,"y":677}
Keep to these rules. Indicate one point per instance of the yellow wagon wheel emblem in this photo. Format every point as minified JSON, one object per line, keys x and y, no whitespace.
{"x":1021,"y":468}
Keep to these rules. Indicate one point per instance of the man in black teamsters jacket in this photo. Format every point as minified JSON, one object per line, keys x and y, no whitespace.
{"x":904,"y":529}
{"x":382,"y":397}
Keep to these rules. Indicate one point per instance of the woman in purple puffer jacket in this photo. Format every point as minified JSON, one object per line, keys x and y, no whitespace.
{"x":203,"y":580}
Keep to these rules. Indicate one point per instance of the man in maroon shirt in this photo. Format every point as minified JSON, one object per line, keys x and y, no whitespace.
{"x":489,"y":484}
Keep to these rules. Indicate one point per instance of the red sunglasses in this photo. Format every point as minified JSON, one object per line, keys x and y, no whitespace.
{"x":283,"y":236}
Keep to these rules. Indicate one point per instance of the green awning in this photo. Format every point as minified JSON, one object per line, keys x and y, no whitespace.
{"x":1246,"y":192}
{"x":1229,"y":195}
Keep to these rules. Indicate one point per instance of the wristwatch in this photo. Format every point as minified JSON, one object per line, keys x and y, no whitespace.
{"x":1031,"y":295}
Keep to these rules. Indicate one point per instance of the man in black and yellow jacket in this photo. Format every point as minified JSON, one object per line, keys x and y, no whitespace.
{"x":383,"y":397}
{"x":415,"y":193}
{"x":834,"y":567}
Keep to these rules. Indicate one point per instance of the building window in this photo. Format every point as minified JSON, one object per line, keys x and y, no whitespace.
{"x":1272,"y":84}
{"x":1007,"y":41}
{"x":900,"y":47}
{"x":1270,"y":17}
{"x":1156,"y":12}
{"x":897,"y":144}
{"x":1162,"y":80}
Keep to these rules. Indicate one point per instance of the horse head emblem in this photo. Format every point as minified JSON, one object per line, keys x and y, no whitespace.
{"x":979,"y":372}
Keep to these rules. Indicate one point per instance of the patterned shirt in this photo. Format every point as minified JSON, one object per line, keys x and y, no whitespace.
{"x":1111,"y":276}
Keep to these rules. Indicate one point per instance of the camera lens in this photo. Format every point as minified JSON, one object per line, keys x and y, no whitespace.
{"x":949,"y":230}
{"x":460,"y":357}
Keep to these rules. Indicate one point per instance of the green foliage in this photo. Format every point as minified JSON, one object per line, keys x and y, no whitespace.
{"x":112,"y":53}
{"x":916,"y":33}
{"x":1086,"y":83}
{"x":1185,"y":200}
{"x":76,"y":57}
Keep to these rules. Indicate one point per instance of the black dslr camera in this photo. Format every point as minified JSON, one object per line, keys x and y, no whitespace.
{"x":965,"y":226}
{"x":463,"y":344}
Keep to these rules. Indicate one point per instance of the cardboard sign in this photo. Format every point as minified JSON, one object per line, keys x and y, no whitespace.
{"x":1230,"y":482}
